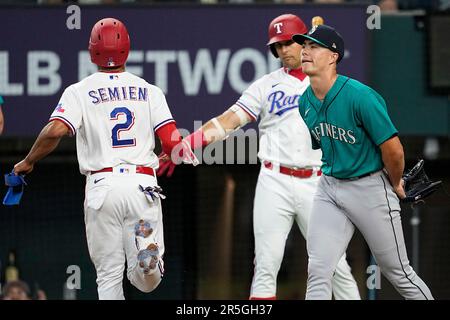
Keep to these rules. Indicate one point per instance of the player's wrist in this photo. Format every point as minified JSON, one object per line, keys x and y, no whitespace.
{"x":29,"y":161}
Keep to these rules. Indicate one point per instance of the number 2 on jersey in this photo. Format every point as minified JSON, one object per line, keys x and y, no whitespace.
{"x":124,"y":126}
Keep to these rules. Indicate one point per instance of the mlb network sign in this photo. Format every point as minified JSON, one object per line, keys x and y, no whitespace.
{"x":202,"y":57}
{"x":44,"y":76}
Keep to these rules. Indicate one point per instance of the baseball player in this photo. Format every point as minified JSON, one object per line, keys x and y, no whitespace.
{"x":290,"y":168}
{"x":114,"y":115}
{"x":363,"y":163}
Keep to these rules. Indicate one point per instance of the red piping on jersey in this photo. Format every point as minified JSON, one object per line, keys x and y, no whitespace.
{"x":296,"y":73}
{"x":169,"y":136}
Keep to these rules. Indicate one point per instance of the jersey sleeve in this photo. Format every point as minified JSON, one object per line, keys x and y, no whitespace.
{"x":68,"y":110}
{"x":1,"y":100}
{"x":373,"y":114}
{"x":159,"y":110}
{"x":251,"y":99}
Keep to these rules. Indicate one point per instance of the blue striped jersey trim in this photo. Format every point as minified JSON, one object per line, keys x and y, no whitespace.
{"x":159,"y":125}
{"x":65,"y":121}
{"x":243,"y":106}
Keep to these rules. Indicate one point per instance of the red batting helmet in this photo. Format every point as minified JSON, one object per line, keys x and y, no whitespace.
{"x":109,"y":43}
{"x":282,"y":28}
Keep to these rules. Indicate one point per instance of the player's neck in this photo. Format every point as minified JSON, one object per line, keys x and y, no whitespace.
{"x":111,"y":70}
{"x":296,"y":73}
{"x":322,"y":83}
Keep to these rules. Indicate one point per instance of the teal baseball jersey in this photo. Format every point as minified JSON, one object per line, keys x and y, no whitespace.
{"x":1,"y":100}
{"x":348,"y":125}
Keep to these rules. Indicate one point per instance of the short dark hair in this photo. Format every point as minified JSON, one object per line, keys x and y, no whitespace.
{"x":16,"y":284}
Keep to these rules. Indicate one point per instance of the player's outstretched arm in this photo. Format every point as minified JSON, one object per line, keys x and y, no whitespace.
{"x":219,"y":128}
{"x":45,"y":143}
{"x":394,"y":162}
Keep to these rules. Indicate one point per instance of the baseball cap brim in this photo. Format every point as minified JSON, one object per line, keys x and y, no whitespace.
{"x":301,"y":38}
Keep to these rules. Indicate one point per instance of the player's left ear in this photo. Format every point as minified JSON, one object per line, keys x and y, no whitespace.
{"x":334,"y":57}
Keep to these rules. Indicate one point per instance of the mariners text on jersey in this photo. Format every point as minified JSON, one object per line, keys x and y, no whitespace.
{"x":132,"y":93}
{"x":332,"y":131}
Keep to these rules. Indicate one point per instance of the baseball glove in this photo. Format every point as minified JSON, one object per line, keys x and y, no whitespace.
{"x":417,"y":184}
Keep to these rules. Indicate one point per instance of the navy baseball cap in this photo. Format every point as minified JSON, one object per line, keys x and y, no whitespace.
{"x":325,"y":36}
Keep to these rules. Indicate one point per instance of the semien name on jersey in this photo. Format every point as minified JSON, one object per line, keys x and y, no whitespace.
{"x":108,"y":94}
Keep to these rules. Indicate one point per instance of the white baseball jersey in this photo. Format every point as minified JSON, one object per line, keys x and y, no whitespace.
{"x":284,"y":137}
{"x":115,"y":116}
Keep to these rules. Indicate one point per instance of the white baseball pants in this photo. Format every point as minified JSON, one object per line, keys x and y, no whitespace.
{"x":371,"y":205}
{"x":113,"y":205}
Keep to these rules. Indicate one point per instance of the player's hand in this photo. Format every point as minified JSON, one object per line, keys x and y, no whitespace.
{"x":23,"y":167}
{"x":165,"y":165}
{"x":182,"y":152}
{"x":399,"y":190}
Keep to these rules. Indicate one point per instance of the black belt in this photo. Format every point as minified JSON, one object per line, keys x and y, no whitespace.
{"x":358,"y":177}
